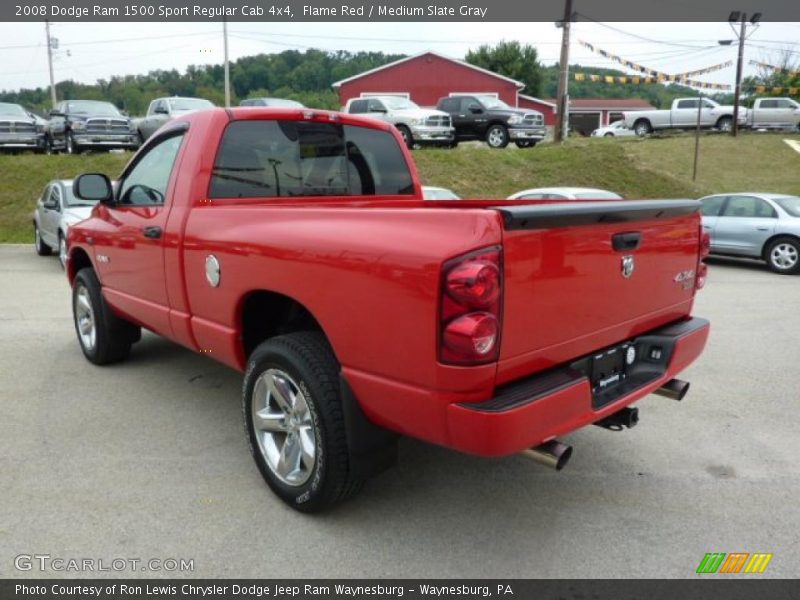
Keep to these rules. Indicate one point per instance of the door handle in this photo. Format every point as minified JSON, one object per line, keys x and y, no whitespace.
{"x":626,"y":241}
{"x":762,"y":228}
{"x":153,"y":232}
{"x":707,"y":227}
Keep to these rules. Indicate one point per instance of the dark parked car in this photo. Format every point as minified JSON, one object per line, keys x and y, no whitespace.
{"x":19,"y":130}
{"x":273,"y":102}
{"x":90,"y":124}
{"x":478,"y":117}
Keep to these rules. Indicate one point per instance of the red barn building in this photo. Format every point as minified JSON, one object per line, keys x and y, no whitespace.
{"x":425,"y":78}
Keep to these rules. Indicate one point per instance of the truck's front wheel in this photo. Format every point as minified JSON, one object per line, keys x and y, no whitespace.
{"x":725,"y":124}
{"x":104,"y":337}
{"x":294,"y":420}
{"x":497,"y":136}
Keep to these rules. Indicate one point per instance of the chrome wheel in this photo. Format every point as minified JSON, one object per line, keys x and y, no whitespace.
{"x":726,"y":125}
{"x":496,"y":137}
{"x":284,"y":427}
{"x":84,"y":319}
{"x":641,"y":129}
{"x":62,"y":250}
{"x":784,"y":256}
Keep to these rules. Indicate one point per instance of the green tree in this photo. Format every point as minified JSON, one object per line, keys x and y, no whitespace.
{"x":512,"y":60}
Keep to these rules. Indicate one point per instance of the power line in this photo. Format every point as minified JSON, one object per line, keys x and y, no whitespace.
{"x":636,"y":35}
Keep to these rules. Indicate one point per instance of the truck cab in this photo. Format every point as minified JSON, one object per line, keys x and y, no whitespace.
{"x":774,"y":113}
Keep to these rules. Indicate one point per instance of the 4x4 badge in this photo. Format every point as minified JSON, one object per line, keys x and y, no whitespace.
{"x":627,"y":266}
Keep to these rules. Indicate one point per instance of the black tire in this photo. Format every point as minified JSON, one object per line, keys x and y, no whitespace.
{"x":525,"y":143}
{"x":70,"y":146}
{"x":113,"y":336}
{"x":642,"y":127}
{"x":725,"y":124}
{"x":783,"y":255}
{"x":307,"y":358}
{"x":497,"y":136}
{"x":453,"y":144}
{"x":408,"y":139}
{"x":62,"y":250}
{"x":42,"y":249}
{"x":141,"y":138}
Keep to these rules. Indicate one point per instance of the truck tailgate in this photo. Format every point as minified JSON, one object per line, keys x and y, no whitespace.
{"x":581,"y":276}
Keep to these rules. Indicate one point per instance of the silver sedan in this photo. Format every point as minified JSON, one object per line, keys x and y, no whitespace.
{"x":56,"y":210}
{"x":755,"y":225}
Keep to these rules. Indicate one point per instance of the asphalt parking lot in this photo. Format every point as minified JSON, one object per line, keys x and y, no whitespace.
{"x":147,"y":459}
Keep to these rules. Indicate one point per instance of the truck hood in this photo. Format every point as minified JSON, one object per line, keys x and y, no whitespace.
{"x":418,"y":113}
{"x":73,"y":214}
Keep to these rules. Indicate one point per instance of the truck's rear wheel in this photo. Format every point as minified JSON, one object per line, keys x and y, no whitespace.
{"x":295,"y":424}
{"x":725,"y":124}
{"x":783,"y":256}
{"x":497,"y":136}
{"x":104,"y":337}
{"x":642,"y":127}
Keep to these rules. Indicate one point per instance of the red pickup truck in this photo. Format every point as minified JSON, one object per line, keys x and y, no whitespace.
{"x":294,"y":245}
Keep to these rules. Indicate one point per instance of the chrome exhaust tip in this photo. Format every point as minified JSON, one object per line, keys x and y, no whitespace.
{"x":553,"y":454}
{"x":674,"y":389}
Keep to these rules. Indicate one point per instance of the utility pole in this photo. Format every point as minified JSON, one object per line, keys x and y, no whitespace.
{"x":50,"y":64}
{"x":738,"y":89}
{"x":227,"y":68}
{"x":697,"y":136}
{"x":740,"y":17}
{"x":562,"y":101}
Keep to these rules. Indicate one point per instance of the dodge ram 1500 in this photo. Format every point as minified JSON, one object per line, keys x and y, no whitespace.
{"x":295,"y":246}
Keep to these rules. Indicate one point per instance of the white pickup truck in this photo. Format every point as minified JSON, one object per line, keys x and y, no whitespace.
{"x":774,"y":113}
{"x":683,"y":115}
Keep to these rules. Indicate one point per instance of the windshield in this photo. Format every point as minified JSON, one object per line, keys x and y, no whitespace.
{"x":398,"y":103}
{"x":71,"y":200}
{"x":791,"y":204}
{"x":93,"y":108}
{"x":618,"y":125}
{"x":598,"y":195}
{"x":438,"y":194}
{"x":179,"y":104}
{"x":12,"y":110}
{"x":492,"y":103}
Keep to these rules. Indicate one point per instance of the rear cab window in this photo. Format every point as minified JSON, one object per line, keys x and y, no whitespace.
{"x":277,"y":158}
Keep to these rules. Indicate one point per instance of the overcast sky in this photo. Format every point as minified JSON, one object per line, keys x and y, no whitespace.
{"x":88,"y":51}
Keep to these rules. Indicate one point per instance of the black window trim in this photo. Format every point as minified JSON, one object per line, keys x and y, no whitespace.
{"x":230,"y":122}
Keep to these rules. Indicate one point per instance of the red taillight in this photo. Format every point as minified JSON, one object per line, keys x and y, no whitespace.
{"x":470,"y":312}
{"x":474,"y":283}
{"x":705,"y":244}
{"x":702,"y":274}
{"x":473,"y":334}
{"x":702,"y":268}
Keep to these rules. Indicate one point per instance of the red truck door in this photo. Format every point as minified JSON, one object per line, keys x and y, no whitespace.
{"x":130,"y":256}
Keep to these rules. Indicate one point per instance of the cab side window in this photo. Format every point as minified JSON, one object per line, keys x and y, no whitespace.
{"x":146,"y":184}
{"x":358,"y":106}
{"x":712,"y":206}
{"x":748,"y":207}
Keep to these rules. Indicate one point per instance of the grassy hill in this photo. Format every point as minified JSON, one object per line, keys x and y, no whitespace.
{"x":636,"y":168}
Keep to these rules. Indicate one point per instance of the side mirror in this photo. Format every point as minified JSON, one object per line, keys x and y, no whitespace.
{"x":475,"y":110}
{"x":93,"y":186}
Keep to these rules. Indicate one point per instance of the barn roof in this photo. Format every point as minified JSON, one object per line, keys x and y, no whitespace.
{"x":519,"y":84}
{"x":551,"y":102}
